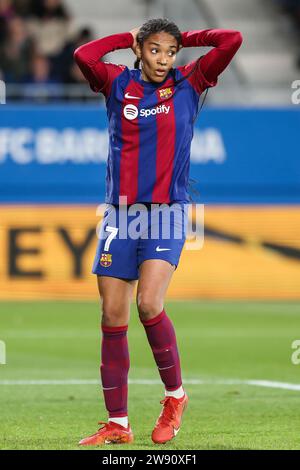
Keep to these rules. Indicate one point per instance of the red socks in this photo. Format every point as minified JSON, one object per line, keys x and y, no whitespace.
{"x":162,"y":339}
{"x":115,"y":361}
{"x":114,"y":369}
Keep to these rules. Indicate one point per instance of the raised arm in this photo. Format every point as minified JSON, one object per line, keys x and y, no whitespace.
{"x":225,"y":42}
{"x":100,"y":74}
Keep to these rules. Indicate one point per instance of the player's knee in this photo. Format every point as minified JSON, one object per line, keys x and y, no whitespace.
{"x":113,"y":316}
{"x":148,"y":306}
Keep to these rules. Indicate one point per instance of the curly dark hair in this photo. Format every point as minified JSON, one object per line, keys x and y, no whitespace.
{"x":157,"y":25}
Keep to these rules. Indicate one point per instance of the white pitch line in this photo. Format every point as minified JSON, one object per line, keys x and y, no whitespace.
{"x":255,"y":383}
{"x":281,"y":385}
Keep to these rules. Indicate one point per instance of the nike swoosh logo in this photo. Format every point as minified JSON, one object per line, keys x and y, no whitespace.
{"x":164,"y":368}
{"x":162,"y":249}
{"x":127,"y":95}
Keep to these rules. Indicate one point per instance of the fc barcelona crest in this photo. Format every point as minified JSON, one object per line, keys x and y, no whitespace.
{"x":106,"y":260}
{"x":165,"y":93}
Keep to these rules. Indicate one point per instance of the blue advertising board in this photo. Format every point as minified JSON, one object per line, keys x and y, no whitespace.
{"x":57,"y":154}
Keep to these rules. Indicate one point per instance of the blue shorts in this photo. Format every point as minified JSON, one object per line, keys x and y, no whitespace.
{"x":128,"y":236}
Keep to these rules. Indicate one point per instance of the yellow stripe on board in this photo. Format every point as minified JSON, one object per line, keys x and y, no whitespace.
{"x":249,"y":252}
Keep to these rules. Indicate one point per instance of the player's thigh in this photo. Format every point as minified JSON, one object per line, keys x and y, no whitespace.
{"x":116,"y":295}
{"x":155,"y":277}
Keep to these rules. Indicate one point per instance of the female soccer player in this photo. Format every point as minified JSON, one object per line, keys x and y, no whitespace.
{"x":151,"y":111}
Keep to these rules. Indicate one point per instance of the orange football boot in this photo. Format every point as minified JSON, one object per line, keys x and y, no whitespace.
{"x":169,"y":420}
{"x":110,"y":433}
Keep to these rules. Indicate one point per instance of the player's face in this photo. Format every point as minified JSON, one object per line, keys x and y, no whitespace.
{"x":158,"y":56}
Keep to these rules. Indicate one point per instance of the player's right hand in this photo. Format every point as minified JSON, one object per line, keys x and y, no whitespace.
{"x":134,"y":33}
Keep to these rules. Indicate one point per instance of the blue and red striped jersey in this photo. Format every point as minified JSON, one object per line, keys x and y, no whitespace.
{"x":151,"y":124}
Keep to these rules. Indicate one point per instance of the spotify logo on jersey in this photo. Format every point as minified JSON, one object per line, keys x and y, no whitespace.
{"x":130,"y":112}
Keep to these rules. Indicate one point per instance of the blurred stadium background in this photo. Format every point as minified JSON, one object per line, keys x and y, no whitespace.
{"x":245,"y":160}
{"x":53,"y":145}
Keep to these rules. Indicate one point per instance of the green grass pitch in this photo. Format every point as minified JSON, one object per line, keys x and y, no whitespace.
{"x":219,"y":342}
